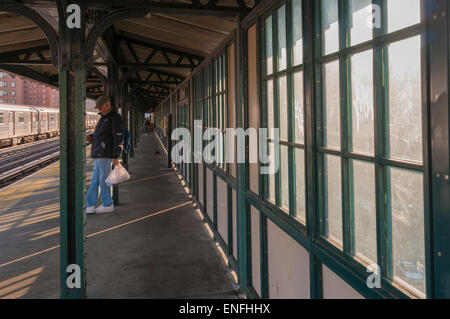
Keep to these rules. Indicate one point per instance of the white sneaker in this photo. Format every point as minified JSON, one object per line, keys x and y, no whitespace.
{"x":104,"y":209}
{"x":90,"y":210}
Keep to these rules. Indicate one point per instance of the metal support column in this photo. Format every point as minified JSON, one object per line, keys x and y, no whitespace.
{"x":113,"y":93}
{"x":169,"y":141}
{"x":125,"y":107}
{"x":437,"y":38}
{"x":131,"y":127}
{"x":72,"y":157}
{"x":242,"y":212}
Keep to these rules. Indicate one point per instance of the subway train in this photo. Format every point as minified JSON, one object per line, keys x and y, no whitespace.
{"x":22,"y":124}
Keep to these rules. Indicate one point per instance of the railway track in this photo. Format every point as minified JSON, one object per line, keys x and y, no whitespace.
{"x":19,"y":162}
{"x":18,"y":157}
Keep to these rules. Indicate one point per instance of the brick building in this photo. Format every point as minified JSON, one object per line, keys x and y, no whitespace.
{"x":39,"y":94}
{"x":17,"y":90}
{"x":11,"y":88}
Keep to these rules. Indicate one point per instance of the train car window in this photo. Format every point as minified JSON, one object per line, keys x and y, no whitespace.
{"x":52,"y":117}
{"x":33,"y":118}
{"x":21,"y":118}
{"x":2,"y":118}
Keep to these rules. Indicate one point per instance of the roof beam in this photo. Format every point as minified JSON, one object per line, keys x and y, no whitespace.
{"x":168,"y":77}
{"x":143,"y":67}
{"x":195,"y":8}
{"x":31,"y":74}
{"x":22,"y":57}
{"x":194,"y":59}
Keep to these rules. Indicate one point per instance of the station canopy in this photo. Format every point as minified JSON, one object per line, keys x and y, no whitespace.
{"x":154,"y":53}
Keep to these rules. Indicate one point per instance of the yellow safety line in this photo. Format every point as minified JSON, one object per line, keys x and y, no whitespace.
{"x":29,"y":256}
{"x":162,"y":145}
{"x":100,"y":232}
{"x":139,"y":219}
{"x":145,"y":179}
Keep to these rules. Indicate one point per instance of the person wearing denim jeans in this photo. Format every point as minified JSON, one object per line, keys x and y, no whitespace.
{"x":102,"y":169}
{"x":107,"y":146}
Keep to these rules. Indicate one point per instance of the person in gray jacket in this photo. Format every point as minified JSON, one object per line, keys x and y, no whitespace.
{"x":107,"y":145}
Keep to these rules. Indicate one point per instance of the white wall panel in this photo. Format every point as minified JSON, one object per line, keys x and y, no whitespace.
{"x":256,"y":255}
{"x":288,"y":264}
{"x":200,"y":183}
{"x":336,"y":288}
{"x":209,"y":187}
{"x":234,"y":214}
{"x":222,"y":209}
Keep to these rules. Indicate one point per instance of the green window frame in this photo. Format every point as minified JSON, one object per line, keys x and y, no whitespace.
{"x":374,"y":194}
{"x":283,"y":106}
{"x":210,"y":100}
{"x":219,"y":101}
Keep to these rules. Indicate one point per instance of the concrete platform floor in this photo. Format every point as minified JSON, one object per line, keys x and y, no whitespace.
{"x":154,"y":245}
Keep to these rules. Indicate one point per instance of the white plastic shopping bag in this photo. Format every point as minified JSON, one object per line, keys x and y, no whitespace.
{"x":118,"y":175}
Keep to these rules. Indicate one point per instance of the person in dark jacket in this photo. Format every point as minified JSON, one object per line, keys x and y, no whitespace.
{"x":107,"y":145}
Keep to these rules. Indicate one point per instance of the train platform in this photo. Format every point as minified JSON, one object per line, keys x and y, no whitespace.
{"x":154,"y":245}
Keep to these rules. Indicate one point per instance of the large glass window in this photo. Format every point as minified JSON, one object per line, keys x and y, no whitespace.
{"x":284,"y":107}
{"x":408,"y":237}
{"x":358,"y":16}
{"x":333,"y":200}
{"x":210,"y":96}
{"x":362,"y":102}
{"x":405,"y":101}
{"x":220,"y":104}
{"x":330,"y":26}
{"x":370,"y":115}
{"x":332,"y":105}
{"x":402,"y":14}
{"x":297,"y":32}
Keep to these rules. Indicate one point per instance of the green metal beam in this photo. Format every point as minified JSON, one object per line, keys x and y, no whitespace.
{"x":72,"y":157}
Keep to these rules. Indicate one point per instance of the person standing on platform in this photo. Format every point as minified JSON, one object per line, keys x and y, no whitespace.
{"x":147,"y":126}
{"x":107,"y":145}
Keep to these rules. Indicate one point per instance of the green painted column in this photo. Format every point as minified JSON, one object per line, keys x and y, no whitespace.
{"x":114,"y":94}
{"x":437,"y":236}
{"x":242,"y":213}
{"x":72,"y":159}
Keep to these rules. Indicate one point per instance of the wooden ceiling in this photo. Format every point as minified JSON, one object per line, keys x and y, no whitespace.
{"x":155,"y":53}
